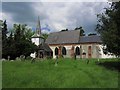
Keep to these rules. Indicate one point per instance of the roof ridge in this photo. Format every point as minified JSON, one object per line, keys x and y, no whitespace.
{"x":64,"y":31}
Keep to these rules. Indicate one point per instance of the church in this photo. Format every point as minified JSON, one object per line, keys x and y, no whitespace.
{"x":68,"y":44}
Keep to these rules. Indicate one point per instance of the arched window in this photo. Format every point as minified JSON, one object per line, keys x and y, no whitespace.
{"x":56,"y":51}
{"x":63,"y":51}
{"x":83,"y":53}
{"x":77,"y":51}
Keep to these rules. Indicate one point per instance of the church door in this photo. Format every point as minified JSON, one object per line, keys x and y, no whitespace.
{"x":41,"y":55}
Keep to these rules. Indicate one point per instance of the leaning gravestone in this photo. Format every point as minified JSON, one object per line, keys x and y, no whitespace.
{"x":8,"y":58}
{"x":56,"y":61}
{"x":22,"y":57}
{"x":88,"y":61}
{"x":18,"y":59}
{"x":33,"y":60}
{"x":3,"y":59}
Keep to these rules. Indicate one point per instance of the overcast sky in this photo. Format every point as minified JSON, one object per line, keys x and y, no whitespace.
{"x":54,"y":16}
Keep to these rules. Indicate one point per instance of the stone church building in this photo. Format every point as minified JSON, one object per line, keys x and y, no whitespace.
{"x":68,"y":44}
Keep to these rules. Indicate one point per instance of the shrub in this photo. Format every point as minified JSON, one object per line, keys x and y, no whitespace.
{"x":28,"y":58}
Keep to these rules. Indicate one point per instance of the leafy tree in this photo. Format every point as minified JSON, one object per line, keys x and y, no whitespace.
{"x":1,"y":38}
{"x":82,"y":32}
{"x":4,"y":40}
{"x":45,"y":35}
{"x":90,"y":34}
{"x":18,"y":42}
{"x":109,"y":28}
{"x":11,"y":48}
{"x":23,"y":43}
{"x":64,"y":30}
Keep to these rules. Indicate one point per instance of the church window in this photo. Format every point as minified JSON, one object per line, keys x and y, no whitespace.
{"x":63,"y":51}
{"x":77,"y":51}
{"x":56,"y":51}
{"x":84,"y":53}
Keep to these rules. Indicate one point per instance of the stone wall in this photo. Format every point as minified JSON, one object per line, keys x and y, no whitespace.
{"x":96,"y":51}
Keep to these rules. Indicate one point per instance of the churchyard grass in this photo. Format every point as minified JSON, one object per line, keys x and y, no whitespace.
{"x":68,"y":73}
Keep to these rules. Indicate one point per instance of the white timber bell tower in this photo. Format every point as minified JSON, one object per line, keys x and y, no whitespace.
{"x":37,"y":38}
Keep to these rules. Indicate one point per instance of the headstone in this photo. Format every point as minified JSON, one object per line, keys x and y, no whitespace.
{"x":3,"y":59}
{"x":88,"y":61}
{"x":18,"y":59}
{"x":55,"y":64}
{"x":8,"y":58}
{"x":75,"y":56}
{"x":22,"y":57}
{"x":33,"y":60}
{"x":56,"y":61}
{"x":98,"y":60}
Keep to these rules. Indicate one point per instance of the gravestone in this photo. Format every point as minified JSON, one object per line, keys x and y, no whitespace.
{"x":8,"y":58}
{"x":33,"y":60}
{"x":56,"y":61}
{"x":88,"y":61}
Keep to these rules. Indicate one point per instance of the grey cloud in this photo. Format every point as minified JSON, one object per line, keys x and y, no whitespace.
{"x":22,"y":12}
{"x":68,"y":15}
{"x":85,"y":15}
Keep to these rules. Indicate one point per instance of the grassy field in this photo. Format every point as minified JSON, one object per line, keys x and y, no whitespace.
{"x":67,"y":74}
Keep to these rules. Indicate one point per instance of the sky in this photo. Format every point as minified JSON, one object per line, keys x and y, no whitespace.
{"x":54,"y":16}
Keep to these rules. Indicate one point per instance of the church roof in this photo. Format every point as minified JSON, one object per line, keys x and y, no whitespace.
{"x":90,"y":39}
{"x":63,"y":37}
{"x":45,"y":47}
{"x":71,"y":37}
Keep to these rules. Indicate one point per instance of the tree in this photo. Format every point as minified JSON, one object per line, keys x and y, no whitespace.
{"x":18,"y":42}
{"x":1,"y":38}
{"x":65,"y":29}
{"x":109,"y":28}
{"x":91,"y":34}
{"x":4,"y":40}
{"x":23,"y":43}
{"x":45,"y":35}
{"x":11,"y":48}
{"x":82,"y":32}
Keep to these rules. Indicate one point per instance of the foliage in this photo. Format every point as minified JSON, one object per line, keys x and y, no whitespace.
{"x":45,"y":35}
{"x":82,"y":32}
{"x":109,"y":28}
{"x":28,"y":58}
{"x":4,"y":39}
{"x":91,"y":34}
{"x":18,"y":42}
{"x":110,"y":64}
{"x":64,"y":30}
{"x":68,"y":73}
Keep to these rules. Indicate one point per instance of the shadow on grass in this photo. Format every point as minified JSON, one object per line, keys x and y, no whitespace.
{"x":112,"y":65}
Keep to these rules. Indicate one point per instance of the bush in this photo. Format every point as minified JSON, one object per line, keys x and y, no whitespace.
{"x":48,"y":57}
{"x":28,"y":58}
{"x":18,"y":59}
{"x":22,"y":57}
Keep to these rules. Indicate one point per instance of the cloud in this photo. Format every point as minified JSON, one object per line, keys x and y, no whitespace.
{"x":19,"y":12}
{"x":57,"y":15}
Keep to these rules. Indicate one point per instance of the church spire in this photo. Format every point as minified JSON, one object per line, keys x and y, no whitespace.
{"x":38,"y":29}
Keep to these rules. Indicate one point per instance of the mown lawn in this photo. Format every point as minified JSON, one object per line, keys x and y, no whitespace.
{"x":67,"y":74}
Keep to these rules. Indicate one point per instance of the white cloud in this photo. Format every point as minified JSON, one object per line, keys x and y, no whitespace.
{"x":55,"y":1}
{"x":58,"y":15}
{"x":8,"y":18}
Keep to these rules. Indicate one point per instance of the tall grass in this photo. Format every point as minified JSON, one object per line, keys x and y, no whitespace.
{"x":67,"y":74}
